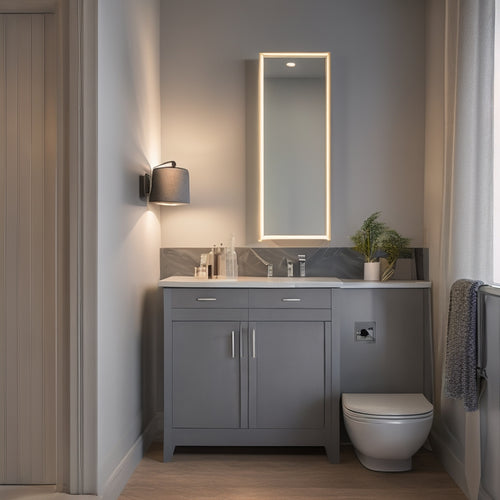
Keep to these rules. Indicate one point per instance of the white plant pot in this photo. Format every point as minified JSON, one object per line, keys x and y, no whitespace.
{"x":372,"y":271}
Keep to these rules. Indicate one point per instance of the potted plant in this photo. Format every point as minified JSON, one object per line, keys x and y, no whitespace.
{"x":394,"y":246}
{"x":367,"y":241}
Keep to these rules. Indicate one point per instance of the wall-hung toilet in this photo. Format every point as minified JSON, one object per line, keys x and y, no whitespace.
{"x":386,"y":430}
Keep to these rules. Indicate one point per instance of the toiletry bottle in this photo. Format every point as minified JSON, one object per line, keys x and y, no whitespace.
{"x":222,"y":261}
{"x":203,"y":265}
{"x":216,"y":261}
{"x":229,"y":264}
{"x":210,"y":264}
{"x":232,"y":262}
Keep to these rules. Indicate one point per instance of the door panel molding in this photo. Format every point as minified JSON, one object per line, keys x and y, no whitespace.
{"x":76,"y":227}
{"x":81,"y":190}
{"x":28,"y":233}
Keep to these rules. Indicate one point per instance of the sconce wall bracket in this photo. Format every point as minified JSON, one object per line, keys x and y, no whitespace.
{"x":144,"y":186}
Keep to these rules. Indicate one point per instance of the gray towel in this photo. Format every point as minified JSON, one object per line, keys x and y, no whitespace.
{"x":461,"y":344}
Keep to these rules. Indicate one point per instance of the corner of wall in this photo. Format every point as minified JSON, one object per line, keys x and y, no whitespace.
{"x":124,"y":470}
{"x":453,"y":465}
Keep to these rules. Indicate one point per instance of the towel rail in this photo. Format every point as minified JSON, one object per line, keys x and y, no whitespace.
{"x":490,"y":290}
{"x":484,"y":290}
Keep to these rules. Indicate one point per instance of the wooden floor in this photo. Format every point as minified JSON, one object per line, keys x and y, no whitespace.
{"x":275,"y":474}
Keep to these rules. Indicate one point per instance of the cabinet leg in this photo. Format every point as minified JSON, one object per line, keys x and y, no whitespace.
{"x":168,"y":451}
{"x":333,"y":453}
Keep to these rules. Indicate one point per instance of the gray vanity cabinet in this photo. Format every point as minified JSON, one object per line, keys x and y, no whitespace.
{"x":207,"y":366}
{"x":249,"y":368}
{"x":266,"y":366}
{"x":290,"y":362}
{"x":287,"y":375}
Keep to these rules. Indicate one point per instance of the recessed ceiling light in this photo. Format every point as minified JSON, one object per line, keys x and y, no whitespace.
{"x":290,"y":64}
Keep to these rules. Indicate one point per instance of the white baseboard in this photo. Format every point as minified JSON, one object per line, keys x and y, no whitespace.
{"x":452,"y":464}
{"x":120,"y":476}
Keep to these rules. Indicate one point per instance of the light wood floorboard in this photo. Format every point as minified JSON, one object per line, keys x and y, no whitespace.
{"x":40,"y":492}
{"x":281,"y":474}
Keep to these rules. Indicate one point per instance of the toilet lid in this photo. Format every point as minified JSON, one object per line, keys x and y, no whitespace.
{"x":387,"y":404}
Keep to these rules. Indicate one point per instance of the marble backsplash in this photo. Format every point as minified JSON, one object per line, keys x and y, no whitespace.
{"x":342,"y":263}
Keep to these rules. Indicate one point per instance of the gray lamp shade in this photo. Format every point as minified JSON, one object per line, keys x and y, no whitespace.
{"x":170,"y":186}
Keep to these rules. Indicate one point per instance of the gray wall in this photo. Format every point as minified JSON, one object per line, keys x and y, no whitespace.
{"x":378,"y":88}
{"x":128,"y":233}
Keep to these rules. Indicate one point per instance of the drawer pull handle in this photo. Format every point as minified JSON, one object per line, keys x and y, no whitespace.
{"x":253,"y":342}
{"x":232,"y":344}
{"x":206,"y":299}
{"x":290,"y":299}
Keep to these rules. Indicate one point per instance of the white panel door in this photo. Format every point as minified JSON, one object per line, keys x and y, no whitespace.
{"x":28,"y":114}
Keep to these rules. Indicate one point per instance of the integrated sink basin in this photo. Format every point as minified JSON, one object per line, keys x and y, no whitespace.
{"x":315,"y":281}
{"x":253,"y":282}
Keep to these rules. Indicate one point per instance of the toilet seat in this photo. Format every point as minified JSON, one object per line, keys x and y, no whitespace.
{"x":387,"y":406}
{"x":386,"y":430}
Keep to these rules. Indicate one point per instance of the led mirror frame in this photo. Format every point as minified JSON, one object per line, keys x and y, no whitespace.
{"x":295,"y":55}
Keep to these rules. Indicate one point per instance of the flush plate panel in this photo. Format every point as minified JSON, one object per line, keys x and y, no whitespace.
{"x":364,"y":331}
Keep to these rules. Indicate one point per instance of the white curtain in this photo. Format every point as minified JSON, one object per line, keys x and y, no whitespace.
{"x":460,"y":231}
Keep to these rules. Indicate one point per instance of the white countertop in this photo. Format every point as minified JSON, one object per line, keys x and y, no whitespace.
{"x":278,"y":282}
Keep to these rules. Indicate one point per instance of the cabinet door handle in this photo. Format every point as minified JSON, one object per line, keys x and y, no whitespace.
{"x":253,"y":342}
{"x":206,"y":299}
{"x":232,"y":344}
{"x":290,"y":299}
{"x":241,"y":345}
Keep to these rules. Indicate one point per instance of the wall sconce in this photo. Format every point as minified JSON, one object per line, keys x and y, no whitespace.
{"x":168,"y":185}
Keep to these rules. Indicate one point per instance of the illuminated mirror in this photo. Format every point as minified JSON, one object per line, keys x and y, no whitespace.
{"x":294,"y":146}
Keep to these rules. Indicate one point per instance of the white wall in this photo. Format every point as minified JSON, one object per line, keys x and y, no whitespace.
{"x":128,"y":233}
{"x":378,"y":85}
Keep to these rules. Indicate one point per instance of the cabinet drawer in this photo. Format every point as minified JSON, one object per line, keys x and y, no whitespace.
{"x":205,"y":298}
{"x":286,"y":298}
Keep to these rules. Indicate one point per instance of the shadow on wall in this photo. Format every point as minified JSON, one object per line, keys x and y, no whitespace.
{"x":151,"y":359}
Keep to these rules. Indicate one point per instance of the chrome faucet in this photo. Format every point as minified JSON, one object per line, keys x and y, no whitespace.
{"x":265,"y":262}
{"x":302,"y":265}
{"x":269,"y":270}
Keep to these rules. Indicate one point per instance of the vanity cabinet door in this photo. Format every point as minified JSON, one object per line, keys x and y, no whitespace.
{"x":287,"y":373}
{"x":206,"y":374}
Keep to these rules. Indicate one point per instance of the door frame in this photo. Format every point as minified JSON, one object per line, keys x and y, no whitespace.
{"x":76,"y":344}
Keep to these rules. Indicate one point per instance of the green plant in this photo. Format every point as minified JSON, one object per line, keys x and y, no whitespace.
{"x":367,"y":239}
{"x":375,"y":238}
{"x":394,"y":246}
